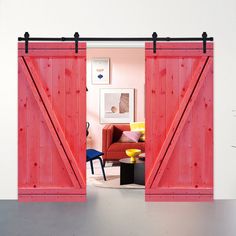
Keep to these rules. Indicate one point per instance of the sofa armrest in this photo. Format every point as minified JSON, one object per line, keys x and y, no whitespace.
{"x":107,"y":137}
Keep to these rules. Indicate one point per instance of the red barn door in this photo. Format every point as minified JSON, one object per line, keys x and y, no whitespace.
{"x":51,"y":122}
{"x":179,"y":122}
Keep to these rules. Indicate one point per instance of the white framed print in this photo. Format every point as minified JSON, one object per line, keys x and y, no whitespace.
{"x":100,"y":71}
{"x":116,"y":105}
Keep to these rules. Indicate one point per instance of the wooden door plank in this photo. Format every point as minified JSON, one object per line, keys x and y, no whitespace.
{"x":47,"y":146}
{"x":148,"y":119}
{"x":183,"y":150}
{"x":159,"y":128}
{"x":70,"y":104}
{"x":206,"y":170}
{"x":33,"y":141}
{"x":198,"y":137}
{"x":157,"y":100}
{"x":41,"y":103}
{"x":58,"y":105}
{"x":22,"y":130}
{"x":172,"y":105}
{"x":176,"y":125}
{"x":58,"y":129}
{"x":172,"y":90}
{"x":58,"y":89}
{"x":209,"y":131}
{"x":46,"y":143}
{"x":81,"y":109}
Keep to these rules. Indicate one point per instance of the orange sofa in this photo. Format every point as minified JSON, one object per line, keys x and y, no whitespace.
{"x":112,"y":149}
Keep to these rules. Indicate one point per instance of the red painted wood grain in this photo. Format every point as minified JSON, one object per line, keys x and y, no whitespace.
{"x":22,"y":130}
{"x":52,"y":198}
{"x":180,"y":109}
{"x":51,"y":167}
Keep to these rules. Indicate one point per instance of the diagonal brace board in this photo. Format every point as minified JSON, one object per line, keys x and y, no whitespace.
{"x":52,"y":122}
{"x":178,"y":123}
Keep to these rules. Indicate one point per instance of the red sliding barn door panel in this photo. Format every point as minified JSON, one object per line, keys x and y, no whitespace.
{"x":51,"y":122}
{"x":179,"y":122}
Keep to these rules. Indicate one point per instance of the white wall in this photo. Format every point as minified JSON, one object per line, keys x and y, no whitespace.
{"x":126,"y":18}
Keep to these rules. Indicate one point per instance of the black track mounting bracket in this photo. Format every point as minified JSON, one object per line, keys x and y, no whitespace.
{"x":154,"y":37}
{"x":26,"y":35}
{"x":76,"y":36}
{"x":204,"y":41}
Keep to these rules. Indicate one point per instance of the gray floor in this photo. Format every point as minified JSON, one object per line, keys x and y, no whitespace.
{"x":118,"y":212}
{"x":121,"y":212}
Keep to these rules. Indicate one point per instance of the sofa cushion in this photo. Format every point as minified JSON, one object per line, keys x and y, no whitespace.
{"x":119,"y":147}
{"x":118,"y":130}
{"x":130,"y":137}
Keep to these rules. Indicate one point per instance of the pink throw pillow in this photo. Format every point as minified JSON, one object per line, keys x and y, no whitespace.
{"x":130,"y":137}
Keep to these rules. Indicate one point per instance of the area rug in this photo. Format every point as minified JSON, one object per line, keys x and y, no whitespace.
{"x":113,"y":179}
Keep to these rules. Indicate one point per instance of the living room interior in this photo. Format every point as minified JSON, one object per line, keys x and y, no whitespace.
{"x":115,"y":83}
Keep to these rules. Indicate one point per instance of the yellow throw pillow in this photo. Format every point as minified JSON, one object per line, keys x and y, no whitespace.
{"x":139,"y":126}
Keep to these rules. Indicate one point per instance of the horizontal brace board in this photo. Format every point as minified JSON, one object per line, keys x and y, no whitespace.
{"x":50,"y":190}
{"x":46,"y":46}
{"x":178,"y":198}
{"x":52,"y":53}
{"x":52,"y":198}
{"x":176,"y":190}
{"x":178,"y":53}
{"x":52,"y":50}
{"x":180,"y":45}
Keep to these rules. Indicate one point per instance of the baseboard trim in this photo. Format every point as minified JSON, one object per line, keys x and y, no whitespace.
{"x":178,"y":198}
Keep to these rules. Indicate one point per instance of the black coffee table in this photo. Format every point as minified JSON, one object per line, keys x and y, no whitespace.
{"x":132,"y":172}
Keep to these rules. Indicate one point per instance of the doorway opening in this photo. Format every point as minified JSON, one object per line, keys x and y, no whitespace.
{"x":116,"y":116}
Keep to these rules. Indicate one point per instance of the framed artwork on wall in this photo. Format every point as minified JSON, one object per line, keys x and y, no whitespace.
{"x":116,"y":105}
{"x":100,"y":70}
